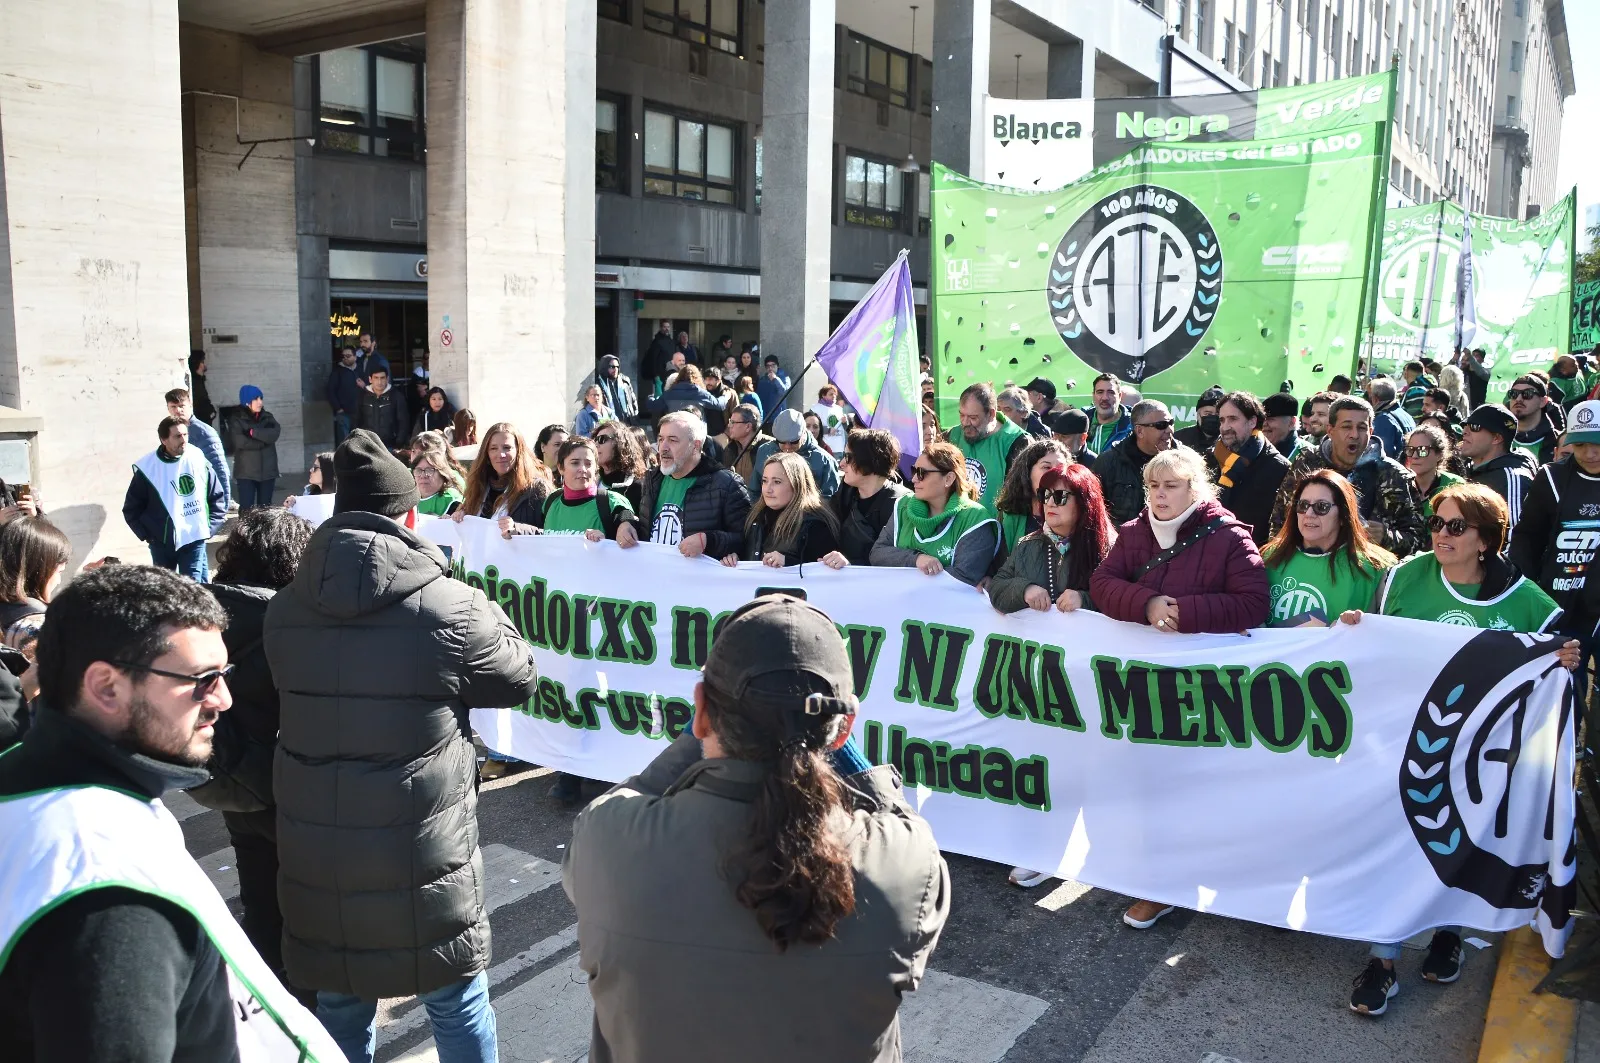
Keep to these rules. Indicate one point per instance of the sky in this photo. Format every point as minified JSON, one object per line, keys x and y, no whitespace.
{"x":1580,"y":149}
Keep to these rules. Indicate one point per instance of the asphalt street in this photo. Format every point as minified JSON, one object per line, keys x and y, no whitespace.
{"x":1019,"y":975}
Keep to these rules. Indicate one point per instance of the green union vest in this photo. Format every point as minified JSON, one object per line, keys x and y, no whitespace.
{"x":986,"y":460}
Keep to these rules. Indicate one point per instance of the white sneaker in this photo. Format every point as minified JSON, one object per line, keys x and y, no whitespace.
{"x":1028,"y":879}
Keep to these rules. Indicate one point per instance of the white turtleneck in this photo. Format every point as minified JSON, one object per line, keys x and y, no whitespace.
{"x":1166,"y":531}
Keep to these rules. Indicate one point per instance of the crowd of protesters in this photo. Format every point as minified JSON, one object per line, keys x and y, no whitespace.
{"x":347,"y":777}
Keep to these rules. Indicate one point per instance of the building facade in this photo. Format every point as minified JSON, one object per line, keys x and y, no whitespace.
{"x":1533,"y":80}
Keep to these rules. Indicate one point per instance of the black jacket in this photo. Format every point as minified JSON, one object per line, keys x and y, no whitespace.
{"x":378,"y":656}
{"x":1255,"y":485}
{"x":861,"y":522}
{"x":1509,"y":476}
{"x":816,"y":540}
{"x":656,"y":358}
{"x":429,"y":421}
{"x":255,"y":445}
{"x":111,"y":966}
{"x":1553,"y":545}
{"x":247,"y":734}
{"x":682,"y":395}
{"x":15,"y":716}
{"x":717,"y":504}
{"x":147,"y":515}
{"x":385,"y":416}
{"x":343,"y":393}
{"x":1121,"y":473}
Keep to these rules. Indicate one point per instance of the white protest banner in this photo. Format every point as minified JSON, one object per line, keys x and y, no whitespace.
{"x":1367,"y":781}
{"x":313,"y":508}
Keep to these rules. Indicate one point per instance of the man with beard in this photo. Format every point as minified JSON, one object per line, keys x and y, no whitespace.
{"x":121,"y":948}
{"x":988,"y":442}
{"x":1487,"y":440}
{"x":1537,"y":435}
{"x":1110,"y":422}
{"x":1248,"y":469}
{"x":1121,"y":469}
{"x":1390,"y":506}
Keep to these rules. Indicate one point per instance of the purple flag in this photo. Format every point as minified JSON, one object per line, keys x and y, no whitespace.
{"x":872,"y":359}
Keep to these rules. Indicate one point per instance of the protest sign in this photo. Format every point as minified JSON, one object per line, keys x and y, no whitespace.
{"x":1522,"y":288}
{"x":1040,"y":145}
{"x":1303,"y":778}
{"x":1585,"y":316}
{"x":1174,"y":267}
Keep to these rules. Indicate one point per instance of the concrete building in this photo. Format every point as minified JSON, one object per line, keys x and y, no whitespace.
{"x":1532,"y":82}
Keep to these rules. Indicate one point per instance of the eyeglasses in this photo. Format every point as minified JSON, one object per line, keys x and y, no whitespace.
{"x":1454,"y":527}
{"x":202,"y":682}
{"x":1524,"y":393}
{"x":845,"y":457}
{"x":918,"y":472}
{"x":1159,"y":426}
{"x":604,"y":439}
{"x":1321,"y":507}
{"x":1057,"y":496}
{"x":1418,"y":452}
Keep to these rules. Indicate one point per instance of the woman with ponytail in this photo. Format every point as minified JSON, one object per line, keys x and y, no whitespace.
{"x":759,"y":891}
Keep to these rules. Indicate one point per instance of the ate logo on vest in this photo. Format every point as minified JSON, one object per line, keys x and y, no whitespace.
{"x":1293,"y":598}
{"x":1135,"y":282}
{"x":1460,"y":784}
{"x":976,"y":474}
{"x":185,"y":484}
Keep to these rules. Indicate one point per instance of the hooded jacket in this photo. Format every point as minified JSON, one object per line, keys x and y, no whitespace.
{"x":1510,"y":476}
{"x":1391,"y":426}
{"x":241,"y":754}
{"x":1120,"y":469}
{"x":1220,"y":583}
{"x":1123,"y":429}
{"x":384,"y":415}
{"x":379,"y":655}
{"x":1385,"y":489}
{"x":1554,"y":542}
{"x":716,"y":504}
{"x":255,"y":445}
{"x":824,"y":469}
{"x":618,"y":390}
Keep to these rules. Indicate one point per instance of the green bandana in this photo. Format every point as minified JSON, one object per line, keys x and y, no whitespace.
{"x":916,"y":529}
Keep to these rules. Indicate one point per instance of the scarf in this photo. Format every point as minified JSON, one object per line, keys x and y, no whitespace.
{"x":578,"y":496}
{"x":1166,"y":531}
{"x":926,"y":533}
{"x":1229,"y":461}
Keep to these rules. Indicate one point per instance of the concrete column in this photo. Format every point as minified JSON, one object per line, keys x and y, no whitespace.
{"x":627,"y":351}
{"x":797,"y":192}
{"x":242,"y":225}
{"x":499,"y":192}
{"x":92,"y":208}
{"x":582,"y":30}
{"x":960,"y":81}
{"x":1069,"y":70}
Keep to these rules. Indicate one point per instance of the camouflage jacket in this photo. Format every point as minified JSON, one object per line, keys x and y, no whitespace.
{"x":1387,"y":492}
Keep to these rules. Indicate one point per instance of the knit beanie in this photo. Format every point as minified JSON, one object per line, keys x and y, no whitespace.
{"x":248,"y":394}
{"x":371,"y":480}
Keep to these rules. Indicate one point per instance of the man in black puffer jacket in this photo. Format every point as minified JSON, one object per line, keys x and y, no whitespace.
{"x":378,"y":656}
{"x":690,"y":501}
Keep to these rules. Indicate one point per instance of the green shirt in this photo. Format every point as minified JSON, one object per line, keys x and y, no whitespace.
{"x":986,"y":459}
{"x":562,"y":517}
{"x":439,"y":505}
{"x":1100,"y":433}
{"x":666,"y":524}
{"x":1440,"y":482}
{"x":915,"y":528}
{"x":1416,"y":588}
{"x":1306,"y":584}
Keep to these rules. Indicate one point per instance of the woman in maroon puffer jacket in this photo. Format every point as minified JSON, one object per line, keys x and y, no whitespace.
{"x":1217,"y":584}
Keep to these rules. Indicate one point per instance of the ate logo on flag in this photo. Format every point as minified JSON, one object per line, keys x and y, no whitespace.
{"x":1460,"y":785}
{"x":1135,"y":282}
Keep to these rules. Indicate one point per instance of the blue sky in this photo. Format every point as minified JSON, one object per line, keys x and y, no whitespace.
{"x":1580,"y":149}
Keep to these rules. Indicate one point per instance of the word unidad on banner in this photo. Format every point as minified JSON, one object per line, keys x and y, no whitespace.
{"x":1276,"y":706}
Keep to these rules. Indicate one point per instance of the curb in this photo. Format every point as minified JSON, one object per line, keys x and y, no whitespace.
{"x":1521,"y":1025}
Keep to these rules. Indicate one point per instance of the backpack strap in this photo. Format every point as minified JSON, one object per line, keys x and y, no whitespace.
{"x":1179,"y":547}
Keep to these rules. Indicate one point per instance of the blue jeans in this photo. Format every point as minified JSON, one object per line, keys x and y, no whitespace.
{"x":462,"y":1018}
{"x":1391,"y":950}
{"x":253,"y":494}
{"x":189,"y":561}
{"x":341,"y":428}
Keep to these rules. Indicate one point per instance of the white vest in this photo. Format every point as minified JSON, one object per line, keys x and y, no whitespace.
{"x":183,"y":487}
{"x":55,"y":844}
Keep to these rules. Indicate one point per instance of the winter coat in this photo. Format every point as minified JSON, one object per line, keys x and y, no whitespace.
{"x":1220,"y":583}
{"x":385,"y":416}
{"x":716,"y":503}
{"x":1255,"y":485}
{"x":205,"y":437}
{"x":1121,"y":473}
{"x":204,"y":408}
{"x":589,"y":419}
{"x":1510,"y":476}
{"x":1386,"y":491}
{"x":428,"y":420}
{"x":771,"y":390}
{"x":1552,"y":511}
{"x":379,"y":655}
{"x":743,"y":462}
{"x":526,"y":510}
{"x":824,"y":469}
{"x":1392,"y":426}
{"x":860,"y":523}
{"x":973,"y":560}
{"x":681,"y":396}
{"x":241,"y":755}
{"x":343,"y":393}
{"x":15,"y":716}
{"x":620,"y":396}
{"x":147,"y":516}
{"x":815,"y":541}
{"x":656,"y":358}
{"x":255,"y":445}
{"x":645,"y":871}
{"x":1031,"y":564}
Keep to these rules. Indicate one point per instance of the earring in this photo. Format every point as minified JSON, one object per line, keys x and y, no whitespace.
{"x":1480,"y":555}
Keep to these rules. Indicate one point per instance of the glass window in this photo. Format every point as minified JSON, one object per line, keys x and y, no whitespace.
{"x":872,"y":192}
{"x":607,"y":146}
{"x":876,"y":70}
{"x":688,"y":158}
{"x":710,"y":22}
{"x":924,"y":202}
{"x":614,"y":9}
{"x":758,"y":174}
{"x":855,"y":179}
{"x":370,"y":101}
{"x":1516,"y":57}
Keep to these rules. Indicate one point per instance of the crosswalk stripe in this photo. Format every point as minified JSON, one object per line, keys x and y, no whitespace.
{"x":548,"y":1019}
{"x":1062,"y":895}
{"x":182,"y":806}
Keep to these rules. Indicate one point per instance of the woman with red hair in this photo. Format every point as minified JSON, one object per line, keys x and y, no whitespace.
{"x":1050,"y":568}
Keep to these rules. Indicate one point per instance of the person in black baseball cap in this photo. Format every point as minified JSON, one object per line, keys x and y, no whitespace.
{"x":811,"y":903}
{"x":1042,"y":396}
{"x":1486,"y":441}
{"x":1202,"y":435}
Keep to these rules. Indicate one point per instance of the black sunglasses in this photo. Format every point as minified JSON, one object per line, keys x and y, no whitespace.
{"x":1057,"y":496}
{"x":202,"y":682}
{"x":918,"y":472}
{"x":1321,"y":507}
{"x":1524,"y":393}
{"x":605,"y":439}
{"x":1418,"y":452}
{"x":1454,"y":527}
{"x":1159,"y":426}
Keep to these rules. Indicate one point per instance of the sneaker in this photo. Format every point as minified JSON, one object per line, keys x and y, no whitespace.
{"x":1142,"y":915}
{"x":1443,"y":964}
{"x":493,"y":769}
{"x":1027,"y":878}
{"x":568,"y":790}
{"x":1375,"y":986}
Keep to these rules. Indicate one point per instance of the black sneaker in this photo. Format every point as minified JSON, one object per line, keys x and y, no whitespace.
{"x":1443,"y":964}
{"x":1375,"y":986}
{"x":568,"y":790}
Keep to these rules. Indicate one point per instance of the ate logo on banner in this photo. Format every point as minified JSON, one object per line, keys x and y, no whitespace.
{"x":1135,"y":282}
{"x":1422,"y":269}
{"x":1460,"y":785}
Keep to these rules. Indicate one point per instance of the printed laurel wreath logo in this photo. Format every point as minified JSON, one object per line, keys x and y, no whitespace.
{"x":186,"y":484}
{"x":978,"y":476}
{"x":1585,"y":416}
{"x":1135,"y":282}
{"x":1460,"y":783}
